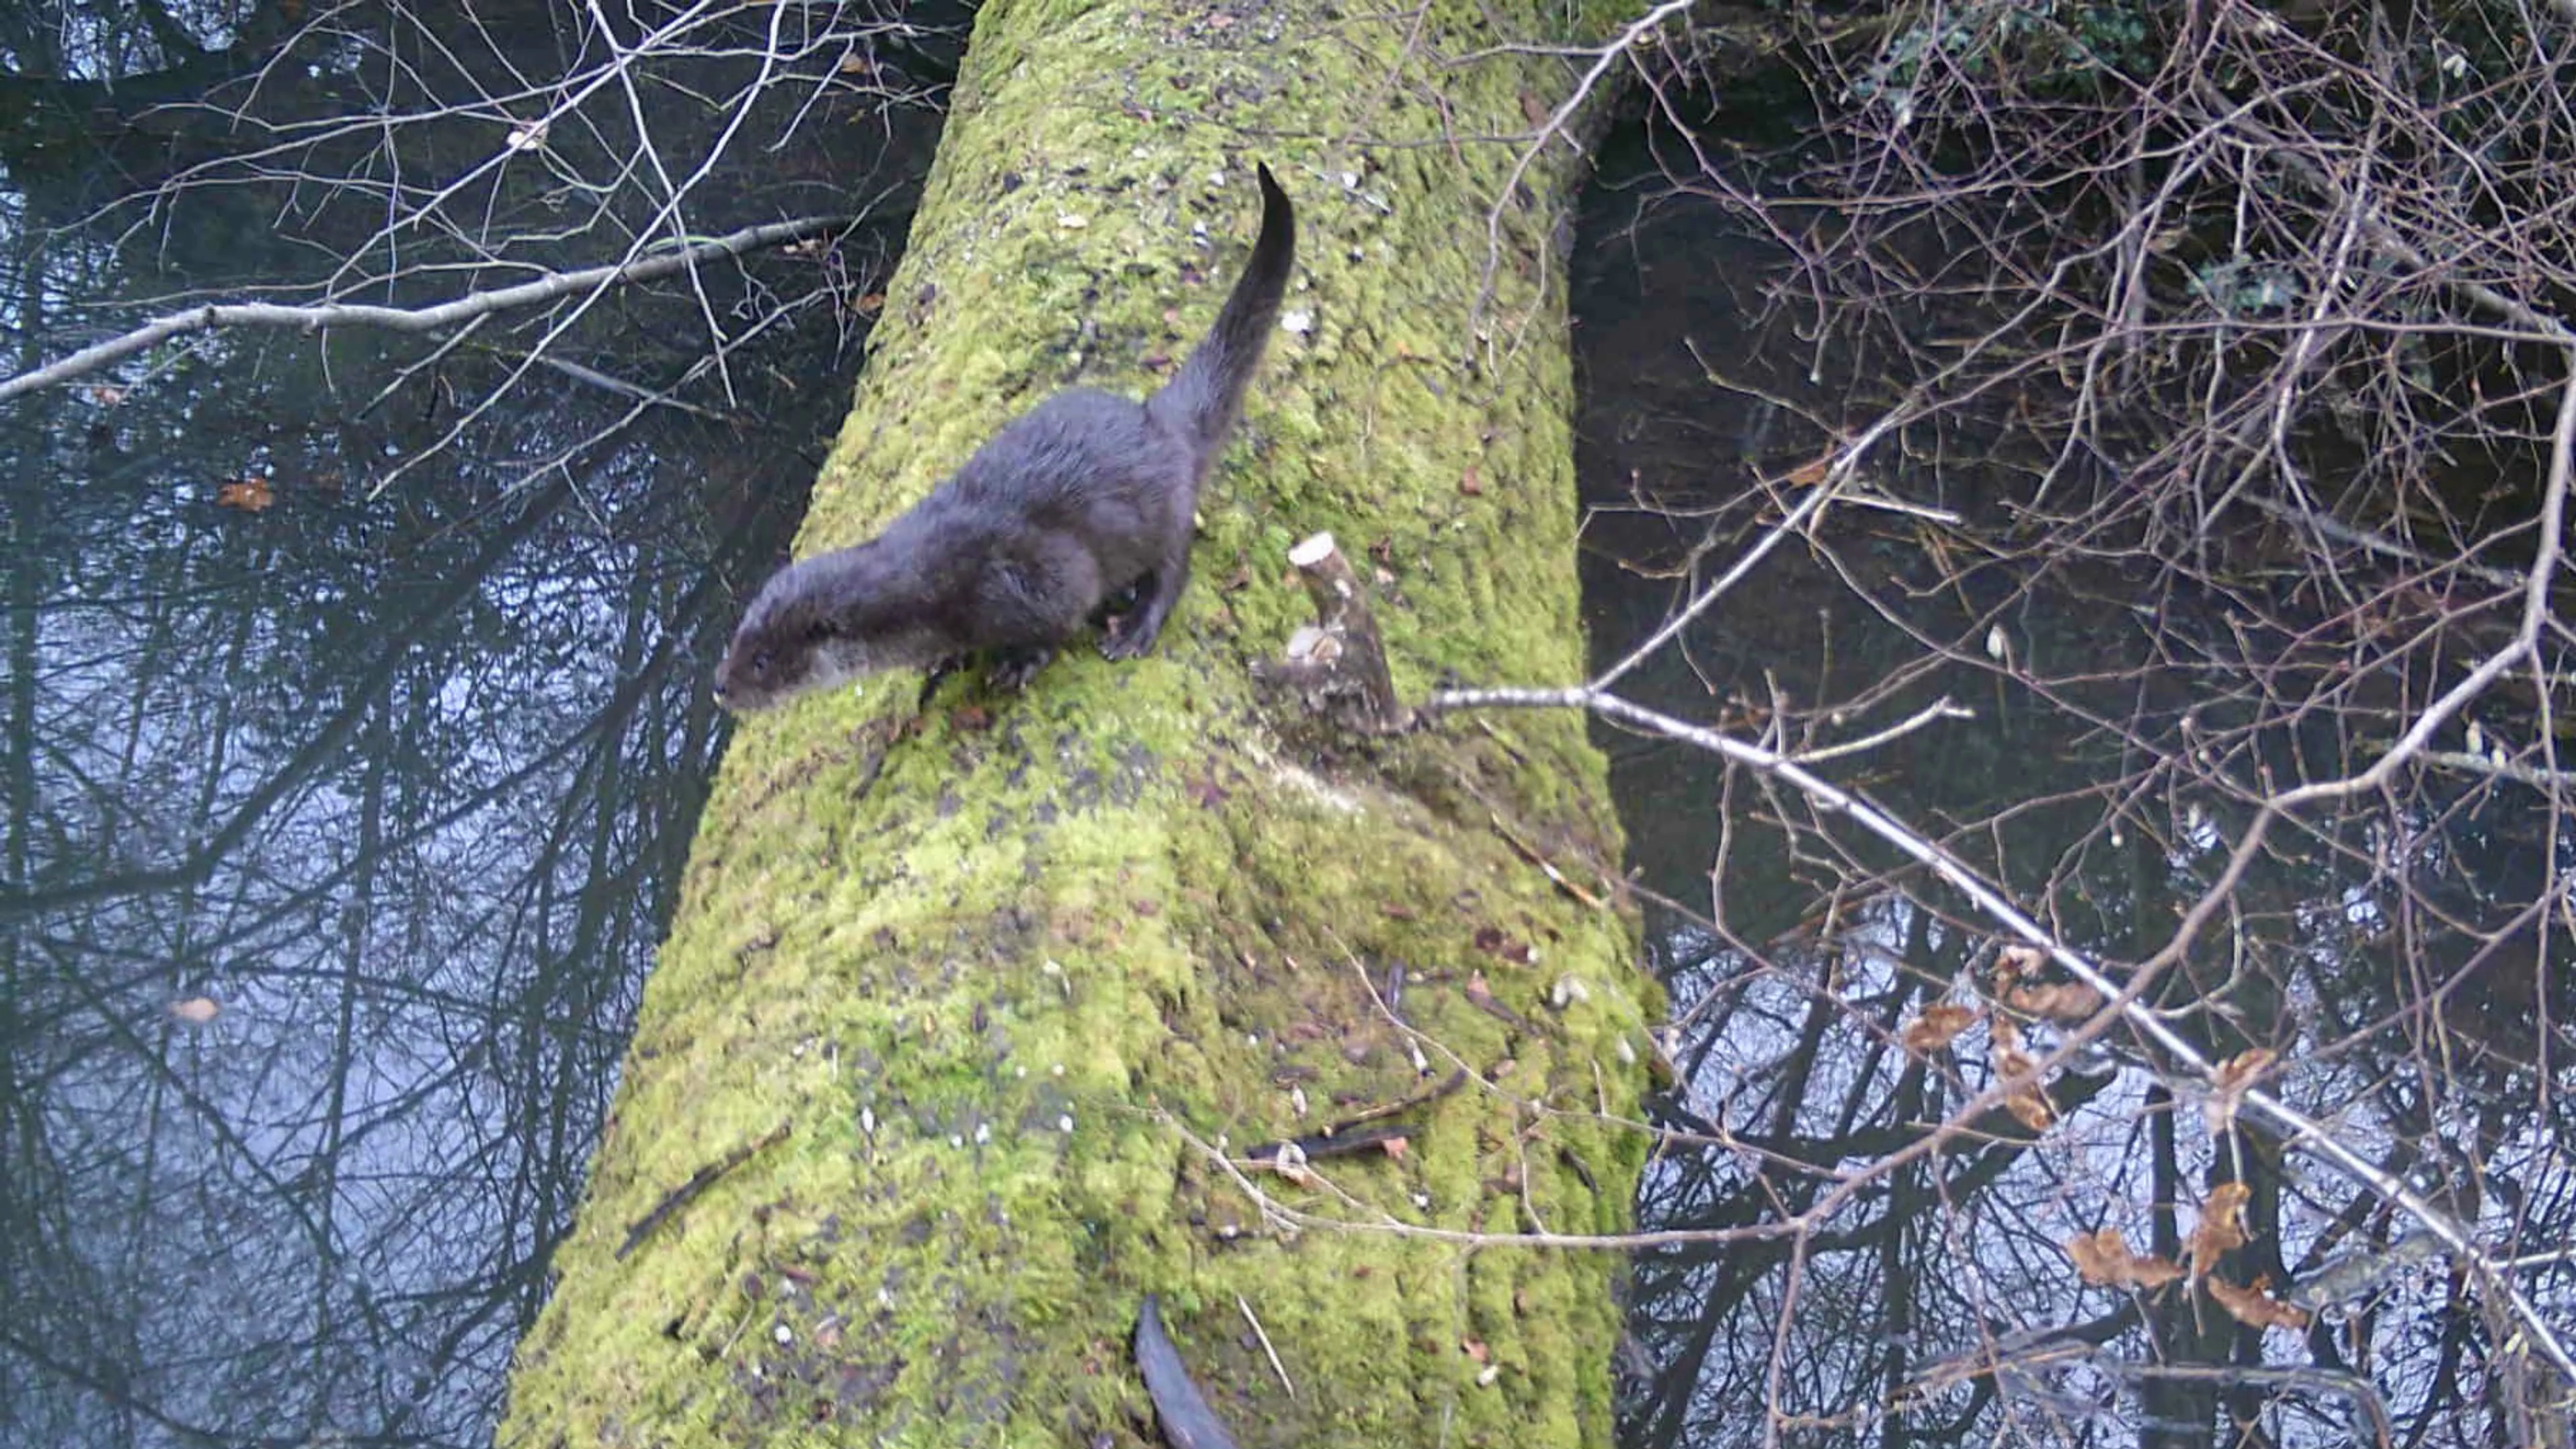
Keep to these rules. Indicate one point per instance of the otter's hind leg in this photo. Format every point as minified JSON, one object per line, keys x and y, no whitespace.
{"x":1131,"y":635}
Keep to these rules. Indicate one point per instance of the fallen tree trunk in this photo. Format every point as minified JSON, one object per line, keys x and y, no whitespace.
{"x":1005,"y":974}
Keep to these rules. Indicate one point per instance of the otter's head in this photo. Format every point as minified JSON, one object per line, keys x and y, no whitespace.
{"x":809,"y":629}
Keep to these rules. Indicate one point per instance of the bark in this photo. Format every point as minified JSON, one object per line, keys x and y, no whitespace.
{"x":993,"y":964}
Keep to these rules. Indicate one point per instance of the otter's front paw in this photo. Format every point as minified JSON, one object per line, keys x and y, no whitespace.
{"x":936,"y":676}
{"x":1125,"y":644}
{"x":1013,"y":668}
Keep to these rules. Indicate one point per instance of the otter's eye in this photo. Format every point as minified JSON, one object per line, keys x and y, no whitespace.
{"x":760,"y":662}
{"x":817,"y":633}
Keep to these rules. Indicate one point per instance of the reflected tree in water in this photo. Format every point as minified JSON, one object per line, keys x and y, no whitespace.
{"x":2188,"y":395}
{"x":355,"y":709}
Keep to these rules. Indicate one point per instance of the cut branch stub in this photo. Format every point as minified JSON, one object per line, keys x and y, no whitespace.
{"x":1337,"y":665}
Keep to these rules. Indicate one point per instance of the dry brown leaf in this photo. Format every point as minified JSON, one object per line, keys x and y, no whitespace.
{"x":2068,"y":1002}
{"x":2256,"y":1307}
{"x":2006,"y":1033}
{"x":2104,"y":1260}
{"x":1475,"y":1348}
{"x":1810,"y":472}
{"x":1470,"y":484}
{"x":2014,"y":962}
{"x":196,"y":1010}
{"x":2221,"y":1227}
{"x":2030,"y":1106}
{"x":250,"y":495}
{"x":2230,"y":1082}
{"x":2032,"y":1109}
{"x":1935,"y":1028}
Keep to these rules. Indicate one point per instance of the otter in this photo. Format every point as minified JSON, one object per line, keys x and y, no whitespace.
{"x":1048,"y":529}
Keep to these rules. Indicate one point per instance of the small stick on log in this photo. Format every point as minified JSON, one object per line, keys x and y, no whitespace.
{"x":1263,"y":1334}
{"x":1353,"y":1134}
{"x":1337,"y":665}
{"x":1290,"y":1157}
{"x":699,"y":1181}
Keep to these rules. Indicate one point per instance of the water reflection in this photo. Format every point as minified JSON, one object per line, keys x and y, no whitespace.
{"x":346,"y":831}
{"x":337,"y":827}
{"x":2393,"y":960}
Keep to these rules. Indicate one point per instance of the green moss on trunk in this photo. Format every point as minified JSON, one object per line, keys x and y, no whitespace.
{"x":993,"y":964}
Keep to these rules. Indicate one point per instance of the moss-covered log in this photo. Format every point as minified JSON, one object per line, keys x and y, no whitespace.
{"x":993,"y":965}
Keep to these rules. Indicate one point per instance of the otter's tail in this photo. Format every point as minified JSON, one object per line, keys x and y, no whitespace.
{"x":1203,"y":399}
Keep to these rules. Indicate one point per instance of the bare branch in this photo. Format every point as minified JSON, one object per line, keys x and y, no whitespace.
{"x":322,"y":317}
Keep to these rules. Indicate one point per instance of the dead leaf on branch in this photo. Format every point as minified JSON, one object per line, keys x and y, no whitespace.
{"x":2255,"y":1306}
{"x":2030,"y":1106}
{"x":2103,"y":1259}
{"x":2221,"y":1228}
{"x":2230,"y":1082}
{"x":2066,"y":1002}
{"x":1935,"y":1028}
{"x":2032,"y":1109}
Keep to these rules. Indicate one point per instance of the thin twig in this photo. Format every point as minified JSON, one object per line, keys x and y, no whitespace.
{"x":323,"y":316}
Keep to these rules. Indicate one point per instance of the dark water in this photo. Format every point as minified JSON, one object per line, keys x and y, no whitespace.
{"x":351,"y":743}
{"x":2394,"y":955}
